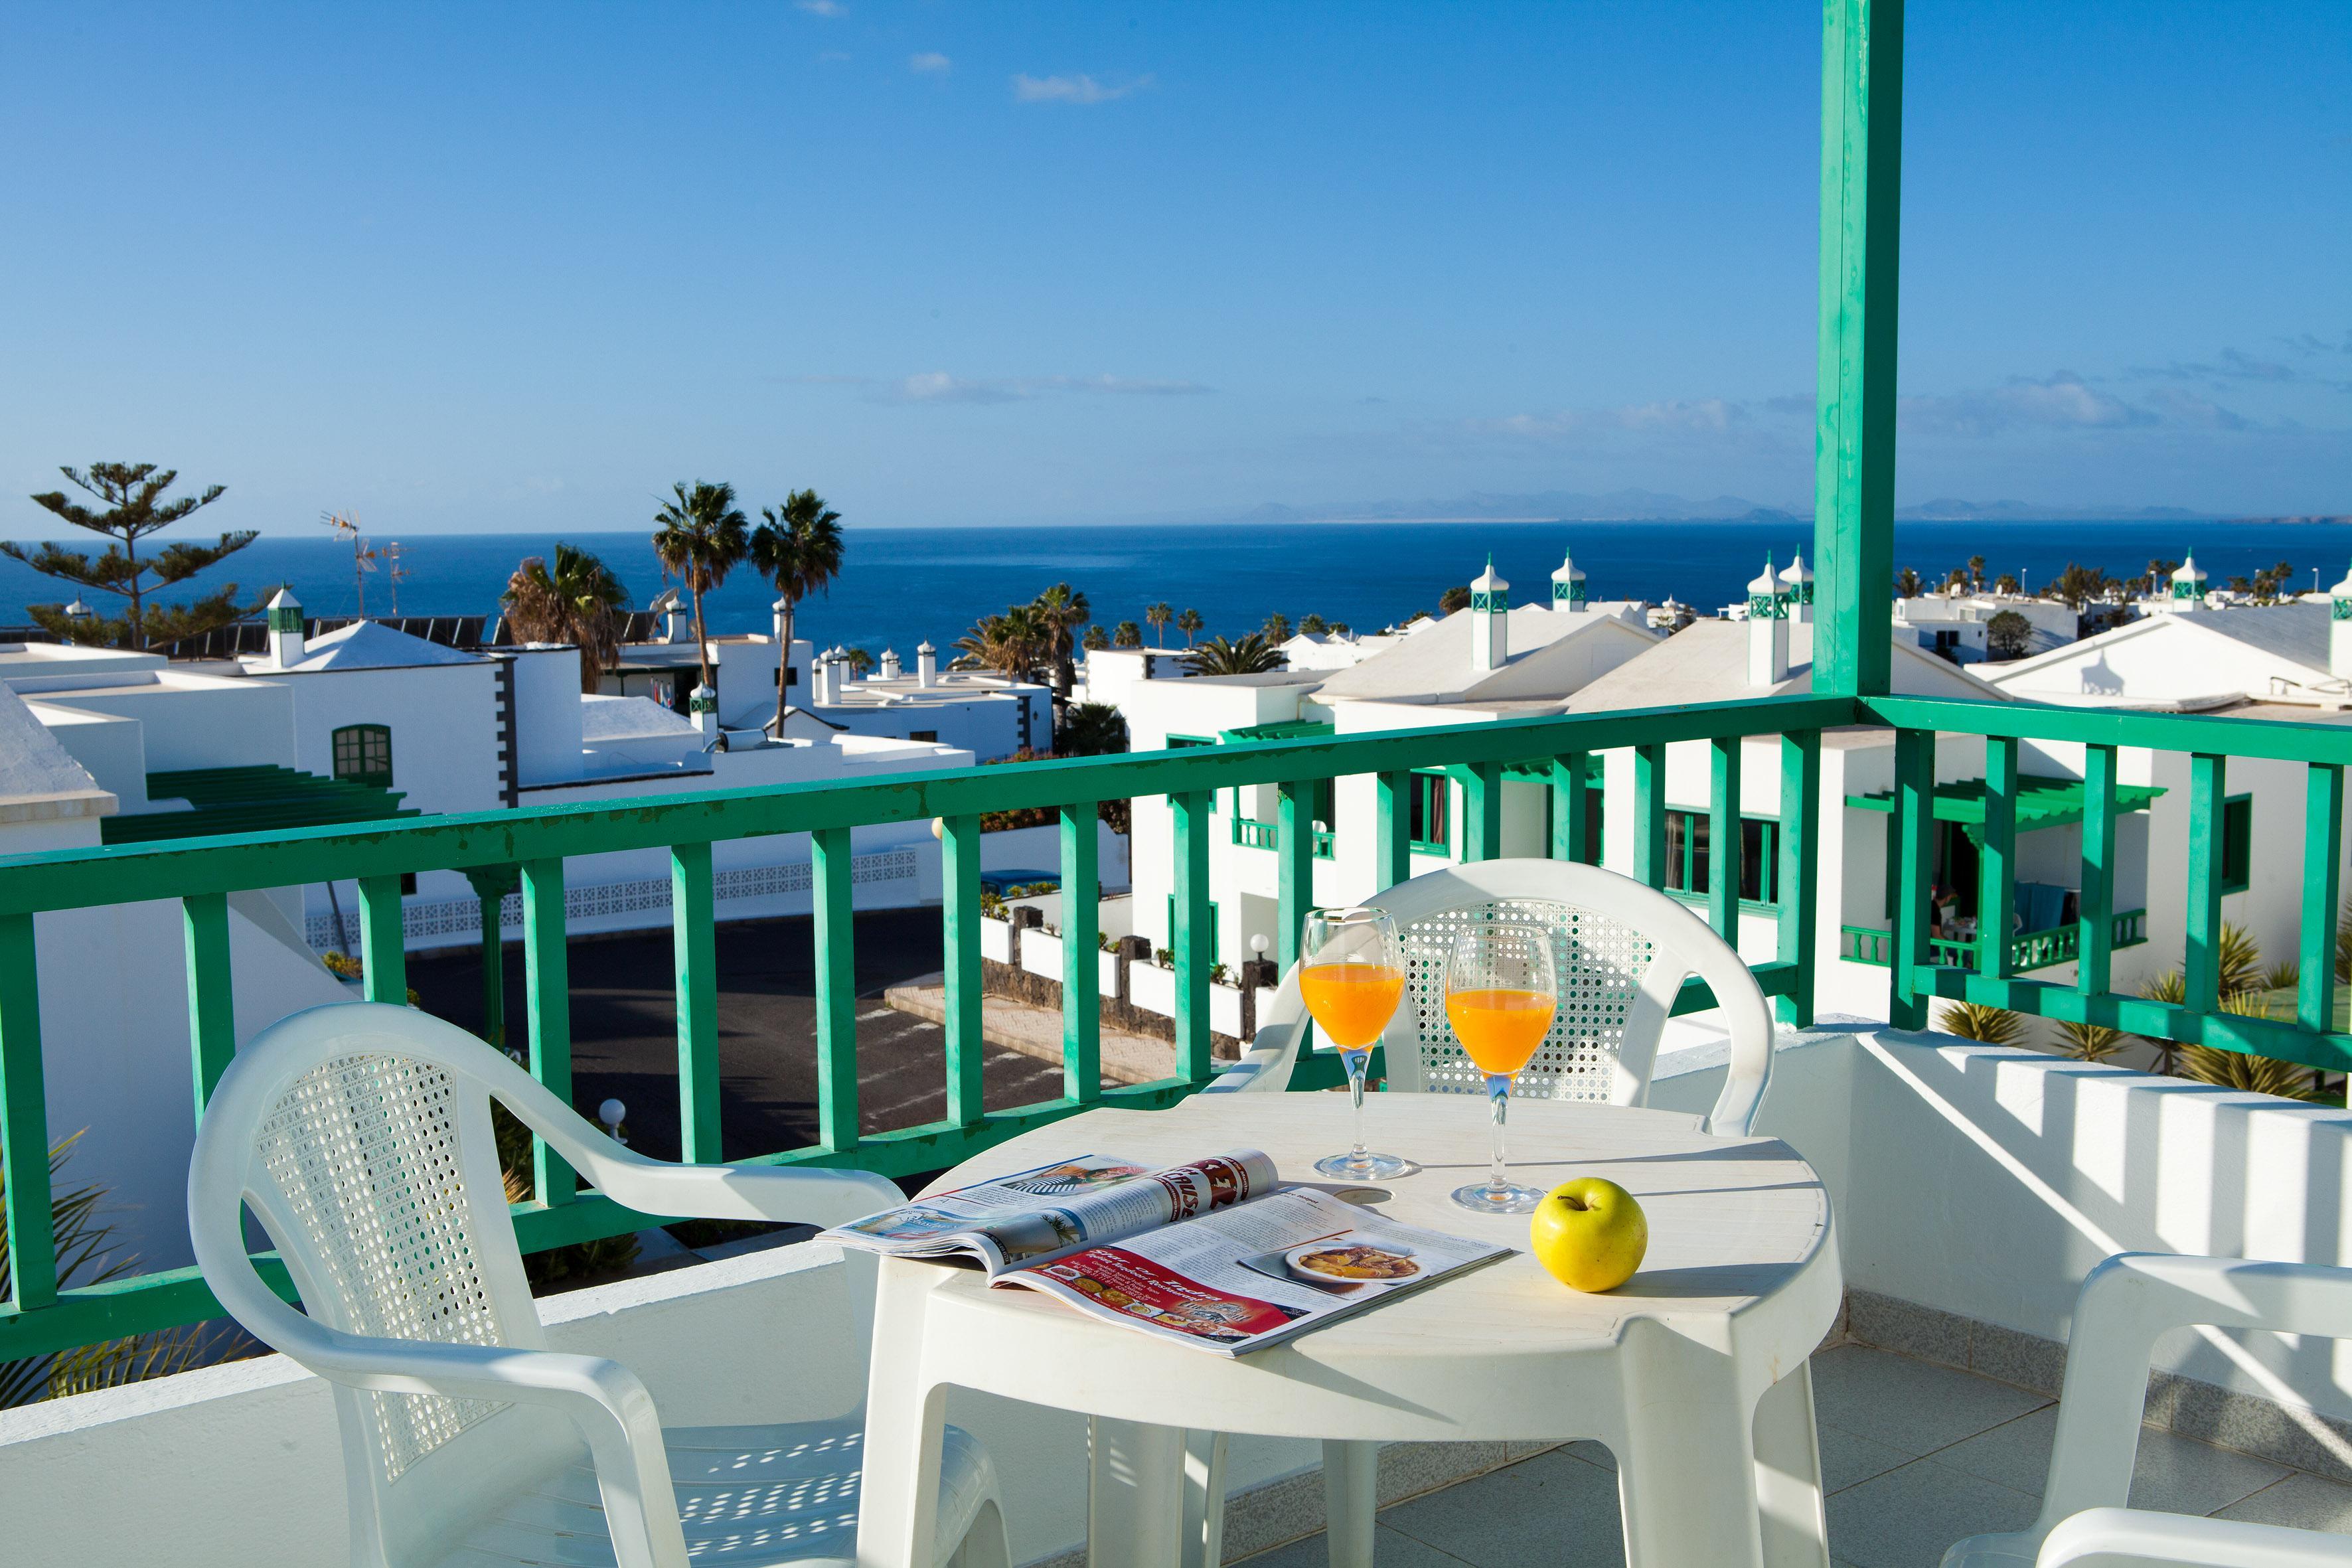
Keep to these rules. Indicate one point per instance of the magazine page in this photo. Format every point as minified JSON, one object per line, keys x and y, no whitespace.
{"x":1256,"y":1274}
{"x":1034,"y":1215}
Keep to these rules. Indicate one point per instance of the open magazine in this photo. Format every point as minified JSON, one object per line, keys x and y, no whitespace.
{"x":1219,"y":1253}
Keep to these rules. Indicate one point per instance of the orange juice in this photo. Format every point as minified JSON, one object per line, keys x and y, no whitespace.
{"x":1500,"y":1027}
{"x":1352,"y":1002}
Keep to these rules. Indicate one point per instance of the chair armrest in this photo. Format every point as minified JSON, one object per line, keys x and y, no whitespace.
{"x":1266,"y":1067}
{"x":2125,"y":1305}
{"x":2132,"y":1538}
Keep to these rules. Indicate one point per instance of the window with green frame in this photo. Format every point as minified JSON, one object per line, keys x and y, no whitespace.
{"x":2237,"y":843}
{"x":1689,"y":856}
{"x":1213,"y":927}
{"x":362,"y":755}
{"x":1431,"y":828}
{"x":1185,"y":742}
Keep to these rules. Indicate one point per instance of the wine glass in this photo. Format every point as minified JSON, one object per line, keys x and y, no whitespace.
{"x":1502,"y":989}
{"x":1352,"y":979}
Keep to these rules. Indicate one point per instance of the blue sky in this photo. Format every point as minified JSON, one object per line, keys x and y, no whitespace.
{"x":519,"y":267}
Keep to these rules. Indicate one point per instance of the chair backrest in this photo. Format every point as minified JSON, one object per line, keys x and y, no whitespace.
{"x":1627,"y":949}
{"x":360,"y":1137}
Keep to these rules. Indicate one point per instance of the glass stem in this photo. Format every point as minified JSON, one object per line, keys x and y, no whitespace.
{"x":1359,"y":1062}
{"x":1498,"y":1096}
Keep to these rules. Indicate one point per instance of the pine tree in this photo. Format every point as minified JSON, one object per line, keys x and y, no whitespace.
{"x":134,"y":508}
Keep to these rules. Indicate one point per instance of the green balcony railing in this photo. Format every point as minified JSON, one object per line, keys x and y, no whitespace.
{"x":531,"y":846}
{"x":1251,"y":834}
{"x":2027,"y":948}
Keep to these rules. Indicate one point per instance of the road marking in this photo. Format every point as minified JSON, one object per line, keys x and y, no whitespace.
{"x":878,"y":1013}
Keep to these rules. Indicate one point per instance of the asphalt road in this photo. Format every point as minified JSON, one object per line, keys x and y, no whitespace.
{"x":625,"y":1031}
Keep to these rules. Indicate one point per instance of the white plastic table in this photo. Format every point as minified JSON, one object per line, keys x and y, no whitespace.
{"x":1694,"y":1373}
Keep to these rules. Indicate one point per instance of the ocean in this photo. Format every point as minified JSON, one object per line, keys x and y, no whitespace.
{"x":900,"y":585}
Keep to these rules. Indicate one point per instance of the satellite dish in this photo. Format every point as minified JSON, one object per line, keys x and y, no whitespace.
{"x":663,"y":603}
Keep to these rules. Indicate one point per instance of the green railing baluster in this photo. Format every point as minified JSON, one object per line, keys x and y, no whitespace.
{"x":492,"y":886}
{"x":693,"y":916}
{"x":384,"y":941}
{"x":2202,"y":975}
{"x":1725,"y":843}
{"x":1650,"y":816}
{"x":1294,"y":866}
{"x":1189,"y":941}
{"x":1799,"y":880}
{"x":1571,"y":815}
{"x":1482,"y":812}
{"x":25,"y":1122}
{"x":2323,"y":872}
{"x":212,"y":1008}
{"x":1081,"y":940}
{"x":2095,"y":928}
{"x":547,"y":1013}
{"x":1392,"y":829}
{"x":1997,"y":861}
{"x":961,"y":981}
{"x":831,"y":880}
{"x":1914,"y":810}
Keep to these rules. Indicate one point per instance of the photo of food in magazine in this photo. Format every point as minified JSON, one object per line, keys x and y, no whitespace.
{"x":1218,"y":1252}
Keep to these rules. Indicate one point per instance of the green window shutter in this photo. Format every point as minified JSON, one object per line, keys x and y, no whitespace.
{"x":362,"y":755}
{"x":2237,"y":843}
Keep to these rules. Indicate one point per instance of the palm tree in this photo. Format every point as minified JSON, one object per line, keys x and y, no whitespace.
{"x":1976,"y":571}
{"x":1277,"y":627}
{"x":1098,"y":639}
{"x":1063,"y":610}
{"x":700,"y":535}
{"x":1129,"y":635}
{"x":1906,"y":584}
{"x":2005,"y":584}
{"x":860,"y":662}
{"x":1189,"y":624}
{"x":1160,"y":615}
{"x":1092,"y":730}
{"x":1013,"y":644}
{"x":798,"y":549}
{"x":1248,"y":654}
{"x":579,"y":602}
{"x":1313,"y":624}
{"x":1454,"y":599}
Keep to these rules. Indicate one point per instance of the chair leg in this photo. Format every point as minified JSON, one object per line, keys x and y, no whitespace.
{"x":1788,"y":1475}
{"x":1204,"y":1499}
{"x":986,"y":1544}
{"x":1135,"y":1497}
{"x":1351,"y":1496}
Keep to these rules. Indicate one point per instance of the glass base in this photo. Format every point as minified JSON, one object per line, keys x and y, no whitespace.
{"x":1481,"y":1198}
{"x":1371,"y":1168}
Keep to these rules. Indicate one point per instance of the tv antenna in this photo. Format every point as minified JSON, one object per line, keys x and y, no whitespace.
{"x":394,"y":573}
{"x":364,"y":560}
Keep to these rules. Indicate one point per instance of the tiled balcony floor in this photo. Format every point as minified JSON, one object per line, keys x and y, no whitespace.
{"x":1914,"y":1457}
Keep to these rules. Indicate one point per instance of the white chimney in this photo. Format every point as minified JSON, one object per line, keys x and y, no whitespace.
{"x":1768,"y":630}
{"x":2188,"y":586}
{"x":1568,"y":587}
{"x":1490,"y":610}
{"x":890,"y":669}
{"x":285,"y":647}
{"x":779,"y":611}
{"x":704,"y":706}
{"x":822,"y":674}
{"x":680,"y":625}
{"x":2339,"y":628}
{"x":1797,"y":589}
{"x":927,"y":665}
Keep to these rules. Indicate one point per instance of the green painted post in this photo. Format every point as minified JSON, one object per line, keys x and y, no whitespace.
{"x":1294,"y":865}
{"x":1189,"y":940}
{"x":960,"y":900}
{"x":1481,"y":804}
{"x":24,"y":1123}
{"x":1392,"y":830}
{"x":2207,"y":779}
{"x":1650,"y":816}
{"x":832,"y":878}
{"x":212,"y":1012}
{"x":1572,"y":817}
{"x":1799,"y":880}
{"x":2095,"y":930}
{"x":1725,"y":843}
{"x":384,"y":950}
{"x":1915,"y":806}
{"x":1853,"y":484}
{"x":1081,"y":940}
{"x":2323,"y":873}
{"x":694,"y":952}
{"x":1997,"y":860}
{"x":492,"y":886}
{"x":547,"y":1013}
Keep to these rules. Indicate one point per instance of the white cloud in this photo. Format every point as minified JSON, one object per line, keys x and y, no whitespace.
{"x":822,"y":7}
{"x":1693,"y":417}
{"x":940,"y":386}
{"x":931,"y":60}
{"x":2061,"y":401}
{"x":1027,"y":89}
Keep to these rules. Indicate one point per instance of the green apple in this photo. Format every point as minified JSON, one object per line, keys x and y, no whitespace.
{"x":1590,"y":1234}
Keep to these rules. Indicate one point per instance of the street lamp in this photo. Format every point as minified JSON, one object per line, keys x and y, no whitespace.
{"x":76,"y":614}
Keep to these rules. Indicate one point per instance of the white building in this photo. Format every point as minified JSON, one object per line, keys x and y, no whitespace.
{"x":990,"y":716}
{"x":1958,"y":624}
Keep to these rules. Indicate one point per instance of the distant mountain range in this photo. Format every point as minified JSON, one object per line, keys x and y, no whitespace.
{"x":1643,"y":506}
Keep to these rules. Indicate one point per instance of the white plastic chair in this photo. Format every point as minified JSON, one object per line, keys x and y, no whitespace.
{"x":2127,"y":1304}
{"x":1628,"y":952}
{"x":359,"y":1134}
